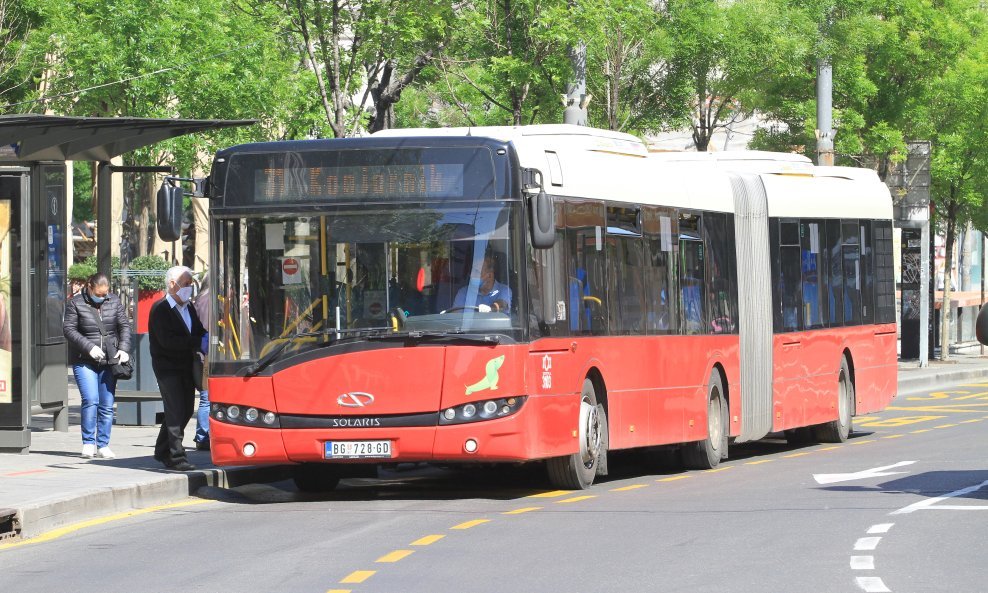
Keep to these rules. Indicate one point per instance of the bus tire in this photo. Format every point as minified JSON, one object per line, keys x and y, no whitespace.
{"x":577,"y":471}
{"x":316,"y":477}
{"x":706,"y":454}
{"x":837,"y":431}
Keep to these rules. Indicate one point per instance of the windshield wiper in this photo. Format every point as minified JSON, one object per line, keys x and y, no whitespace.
{"x":458,"y":335}
{"x":275,"y":353}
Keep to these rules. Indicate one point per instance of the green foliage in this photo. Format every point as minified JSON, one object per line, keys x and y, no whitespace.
{"x":150,"y":263}
{"x":204,"y":59}
{"x":81,"y":272}
{"x":82,"y":191}
{"x":92,"y":262}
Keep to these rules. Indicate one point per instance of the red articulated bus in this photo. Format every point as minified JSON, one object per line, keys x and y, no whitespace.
{"x":541,"y":293}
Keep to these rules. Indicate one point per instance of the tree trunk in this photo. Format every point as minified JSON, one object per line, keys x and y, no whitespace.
{"x":388,"y":92}
{"x":948,"y":258}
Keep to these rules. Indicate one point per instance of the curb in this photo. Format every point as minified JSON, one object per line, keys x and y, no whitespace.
{"x":41,"y":517}
{"x":912,"y":384}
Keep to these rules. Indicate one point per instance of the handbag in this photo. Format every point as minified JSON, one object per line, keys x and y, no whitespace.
{"x":120,"y":370}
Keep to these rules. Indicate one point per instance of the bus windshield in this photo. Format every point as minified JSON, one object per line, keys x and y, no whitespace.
{"x":354,"y":271}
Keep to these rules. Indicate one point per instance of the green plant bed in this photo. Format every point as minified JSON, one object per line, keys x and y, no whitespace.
{"x":149,"y":263}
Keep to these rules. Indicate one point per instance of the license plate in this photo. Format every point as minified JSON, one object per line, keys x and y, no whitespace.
{"x":358,"y":449}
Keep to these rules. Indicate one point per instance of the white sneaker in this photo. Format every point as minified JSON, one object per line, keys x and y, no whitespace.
{"x":105,"y":453}
{"x":89,"y":451}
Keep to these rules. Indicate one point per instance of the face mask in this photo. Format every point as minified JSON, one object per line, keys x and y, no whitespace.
{"x":97,"y":300}
{"x":185,"y":293}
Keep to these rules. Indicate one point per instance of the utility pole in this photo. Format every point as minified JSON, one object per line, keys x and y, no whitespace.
{"x":576,"y":98}
{"x":824,"y":113}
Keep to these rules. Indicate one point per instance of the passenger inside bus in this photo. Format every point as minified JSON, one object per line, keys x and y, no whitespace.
{"x":484,"y":292}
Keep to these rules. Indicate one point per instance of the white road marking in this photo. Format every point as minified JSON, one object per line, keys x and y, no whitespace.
{"x":872,"y":585}
{"x":880,"y":528}
{"x":867,"y":543}
{"x":929,"y":502}
{"x":868,"y":473}
{"x":863,"y":562}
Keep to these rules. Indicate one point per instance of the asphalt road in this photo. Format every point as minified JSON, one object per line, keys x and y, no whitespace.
{"x":902,"y":506}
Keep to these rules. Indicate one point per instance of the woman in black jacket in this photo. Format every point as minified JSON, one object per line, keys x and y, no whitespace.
{"x":98,"y":332}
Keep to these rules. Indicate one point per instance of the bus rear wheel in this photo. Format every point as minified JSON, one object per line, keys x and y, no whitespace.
{"x":316,"y":477}
{"x":577,"y":471}
{"x":837,"y":431}
{"x":706,"y":454}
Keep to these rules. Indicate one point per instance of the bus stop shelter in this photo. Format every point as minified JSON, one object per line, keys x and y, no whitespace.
{"x":33,"y":232}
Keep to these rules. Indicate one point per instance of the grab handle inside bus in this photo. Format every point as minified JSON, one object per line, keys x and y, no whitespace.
{"x":543,"y":223}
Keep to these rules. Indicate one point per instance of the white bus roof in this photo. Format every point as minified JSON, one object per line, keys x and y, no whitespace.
{"x":583,"y":162}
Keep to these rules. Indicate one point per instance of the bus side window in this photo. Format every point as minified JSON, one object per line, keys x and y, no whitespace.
{"x":718,"y":233}
{"x":585,"y":225}
{"x":835,"y":265}
{"x":547,"y":283}
{"x":790,"y":276}
{"x":884,"y":273}
{"x":814,"y":272}
{"x":661,"y":229}
{"x":692,"y":275}
{"x":851,"y":250}
{"x":867,"y":273}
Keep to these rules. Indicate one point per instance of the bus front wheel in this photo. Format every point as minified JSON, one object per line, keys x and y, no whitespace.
{"x":577,"y":471}
{"x":706,"y":454}
{"x":837,"y":431}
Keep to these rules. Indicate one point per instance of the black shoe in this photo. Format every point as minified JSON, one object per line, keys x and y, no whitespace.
{"x":182,"y":466}
{"x":202,"y":445}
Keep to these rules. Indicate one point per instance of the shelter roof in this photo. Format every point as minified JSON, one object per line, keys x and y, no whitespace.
{"x":31,"y":137}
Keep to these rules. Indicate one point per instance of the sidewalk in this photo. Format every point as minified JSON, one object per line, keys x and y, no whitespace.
{"x":52,"y":486}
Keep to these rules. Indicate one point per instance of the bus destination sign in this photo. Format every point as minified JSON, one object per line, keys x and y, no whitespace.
{"x":384,"y":181}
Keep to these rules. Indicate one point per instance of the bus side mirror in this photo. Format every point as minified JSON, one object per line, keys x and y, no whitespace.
{"x":543,"y":215}
{"x":169,"y":212}
{"x":981,"y":326}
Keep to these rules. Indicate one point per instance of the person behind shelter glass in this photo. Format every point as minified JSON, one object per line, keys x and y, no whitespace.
{"x":98,"y":333}
{"x":175,"y":337}
{"x":486,"y":294}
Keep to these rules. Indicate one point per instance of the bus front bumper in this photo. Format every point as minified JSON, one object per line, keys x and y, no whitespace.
{"x":543,"y":428}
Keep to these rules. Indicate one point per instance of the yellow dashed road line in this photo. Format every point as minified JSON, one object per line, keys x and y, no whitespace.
{"x":723,"y":468}
{"x":800,"y":454}
{"x":972,"y":420}
{"x":522,"y":510}
{"x":759,"y":462}
{"x":626,"y":488}
{"x":922,"y":430}
{"x":395,"y":556}
{"x":945,"y":426}
{"x":829,"y":448}
{"x":673,"y":478}
{"x":469,"y":524}
{"x":339,"y":591}
{"x":863,"y":442}
{"x":427,"y":540}
{"x":358,"y":576}
{"x":576,"y":499}
{"x":552,"y":494}
{"x":894,"y":436}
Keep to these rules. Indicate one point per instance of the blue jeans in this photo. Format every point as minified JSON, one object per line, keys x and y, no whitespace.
{"x":202,"y":417}
{"x":97,"y":386}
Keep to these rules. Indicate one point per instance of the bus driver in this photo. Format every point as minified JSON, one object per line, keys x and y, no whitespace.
{"x":489,"y":295}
